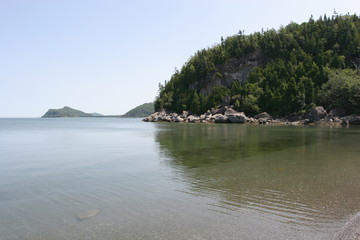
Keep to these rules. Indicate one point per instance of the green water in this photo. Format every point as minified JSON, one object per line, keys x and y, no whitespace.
{"x":302,"y":180}
{"x":175,"y":181}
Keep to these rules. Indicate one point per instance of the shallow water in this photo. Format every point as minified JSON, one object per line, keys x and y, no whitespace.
{"x":175,"y":181}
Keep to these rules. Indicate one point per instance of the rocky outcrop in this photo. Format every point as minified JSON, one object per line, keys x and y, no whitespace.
{"x":232,"y":70}
{"x":226,"y":114}
{"x":317,"y":113}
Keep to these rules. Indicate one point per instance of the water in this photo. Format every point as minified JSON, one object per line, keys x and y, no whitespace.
{"x":175,"y":181}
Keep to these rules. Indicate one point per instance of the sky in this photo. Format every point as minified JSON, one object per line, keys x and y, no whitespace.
{"x":108,"y":56}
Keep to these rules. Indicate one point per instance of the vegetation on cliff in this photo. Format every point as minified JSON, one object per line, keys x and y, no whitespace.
{"x":297,"y":67}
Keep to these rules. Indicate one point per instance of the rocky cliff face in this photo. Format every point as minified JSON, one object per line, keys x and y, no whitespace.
{"x":232,"y":70}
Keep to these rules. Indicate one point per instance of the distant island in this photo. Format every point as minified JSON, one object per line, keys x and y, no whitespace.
{"x":68,"y":112}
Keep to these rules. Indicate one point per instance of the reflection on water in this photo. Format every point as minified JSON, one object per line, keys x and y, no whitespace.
{"x":139,"y":180}
{"x":301,"y":178}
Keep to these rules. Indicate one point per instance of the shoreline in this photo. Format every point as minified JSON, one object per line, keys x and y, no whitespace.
{"x":317,"y":116}
{"x":351,"y":229}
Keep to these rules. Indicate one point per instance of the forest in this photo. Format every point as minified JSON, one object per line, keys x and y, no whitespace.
{"x":308,"y":64}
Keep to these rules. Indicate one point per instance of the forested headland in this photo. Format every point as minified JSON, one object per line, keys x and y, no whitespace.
{"x":282,"y":72}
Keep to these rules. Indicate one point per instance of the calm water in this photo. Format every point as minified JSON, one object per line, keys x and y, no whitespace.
{"x":175,"y":181}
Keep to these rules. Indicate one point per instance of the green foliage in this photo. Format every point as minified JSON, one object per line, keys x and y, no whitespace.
{"x":217,"y":94}
{"x":299,"y":57}
{"x":143,"y":110}
{"x":342,"y":91}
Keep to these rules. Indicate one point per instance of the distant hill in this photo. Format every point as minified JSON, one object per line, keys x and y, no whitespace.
{"x":65,"y":112}
{"x":140,"y":111}
{"x":143,"y":110}
{"x":96,"y":115}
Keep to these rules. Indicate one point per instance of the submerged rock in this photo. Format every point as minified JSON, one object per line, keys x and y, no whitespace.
{"x":87,"y":214}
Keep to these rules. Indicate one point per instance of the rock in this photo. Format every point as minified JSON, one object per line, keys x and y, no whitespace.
{"x":353,"y":119}
{"x":238,"y":118}
{"x":185,"y":114}
{"x":230,"y":111}
{"x":263,"y":120}
{"x":317,"y":113}
{"x":87,"y":214}
{"x":263,"y":115}
{"x":178,"y":119}
{"x":252,"y":120}
{"x":221,"y":110}
{"x":294,"y":118}
{"x":219,"y":118}
{"x":234,"y":116}
{"x":337,"y":112}
{"x":193,"y":119}
{"x":152,"y":117}
{"x":213,"y":111}
{"x":305,"y":121}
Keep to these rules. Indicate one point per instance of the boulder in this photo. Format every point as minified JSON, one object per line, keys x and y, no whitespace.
{"x":219,"y":118}
{"x":230,"y":111}
{"x":337,"y":112}
{"x":193,"y":119}
{"x":317,"y":113}
{"x":221,"y":110}
{"x":234,"y":116}
{"x":238,"y":118}
{"x":294,"y":118}
{"x":251,"y":120}
{"x":178,"y":119}
{"x":263,"y":120}
{"x":263,"y":115}
{"x":213,"y":111}
{"x":184,"y":114}
{"x":353,"y":119}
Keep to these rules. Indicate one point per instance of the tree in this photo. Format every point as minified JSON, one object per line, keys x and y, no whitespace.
{"x":342,"y":91}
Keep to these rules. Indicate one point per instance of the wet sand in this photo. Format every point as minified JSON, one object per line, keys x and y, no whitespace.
{"x":351,"y":229}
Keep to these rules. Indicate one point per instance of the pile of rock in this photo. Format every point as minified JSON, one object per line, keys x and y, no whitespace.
{"x":228,"y":116}
{"x":222,"y":115}
{"x":225,"y":113}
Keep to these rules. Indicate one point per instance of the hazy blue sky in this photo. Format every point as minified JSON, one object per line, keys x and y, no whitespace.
{"x":109,"y":56}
